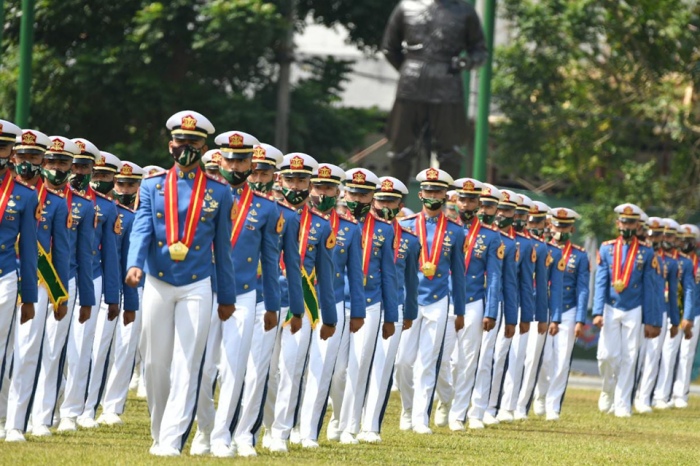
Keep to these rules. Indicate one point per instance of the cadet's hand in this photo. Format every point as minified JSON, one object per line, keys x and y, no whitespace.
{"x":270,"y":320}
{"x":649,"y":331}
{"x":674,"y":331}
{"x":578,"y":332}
{"x":459,"y":323}
{"x":326,"y":332}
{"x":226,"y":311}
{"x":553,"y":328}
{"x":60,"y":312}
{"x":656,"y":331}
{"x":388,"y":330}
{"x":541,"y":327}
{"x":524,"y":327}
{"x":510,"y":331}
{"x":27,"y":313}
{"x":295,"y":324}
{"x":129,"y":317}
{"x":112,"y":312}
{"x":356,"y":324}
{"x":407,"y":324}
{"x":489,"y":324}
{"x":133,"y":277}
{"x":84,"y":314}
{"x":688,"y":328}
{"x":598,"y":321}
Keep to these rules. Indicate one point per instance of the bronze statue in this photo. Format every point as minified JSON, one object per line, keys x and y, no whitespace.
{"x":424,"y":41}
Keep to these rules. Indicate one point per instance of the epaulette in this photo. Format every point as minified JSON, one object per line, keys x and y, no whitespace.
{"x":319,"y":213}
{"x":126,"y":208}
{"x":81,"y":194}
{"x":390,"y":222}
{"x":553,"y":244}
{"x":348,"y":218}
{"x":18,"y":180}
{"x":408,"y":230}
{"x":103,"y":196}
{"x":521,"y":234}
{"x":409,"y":217}
{"x":609,"y":242}
{"x":286,"y":204}
{"x":506,"y":235}
{"x":456,"y":221}
{"x":55,"y":192}
{"x":216,"y":178}
{"x":682,"y":254}
{"x":539,"y":240}
{"x":153,"y":175}
{"x":577,"y":247}
{"x":489,"y":227}
{"x":269,"y":197}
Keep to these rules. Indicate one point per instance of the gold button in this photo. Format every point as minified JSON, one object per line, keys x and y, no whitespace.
{"x":0,"y":270}
{"x":337,"y":275}
{"x":211,"y":191}
{"x":371,"y":276}
{"x":79,"y":204}
{"x":342,"y":251}
{"x":347,"y":229}
{"x":379,"y":230}
{"x":311,"y":248}
{"x":245,"y":287}
{"x":160,"y":274}
{"x":201,"y":219}
{"x":48,"y":202}
{"x":181,"y":175}
{"x":2,"y":247}
{"x":439,"y":275}
{"x":194,"y":277}
{"x":159,"y":215}
{"x":318,"y":225}
{"x":94,"y":253}
{"x":196,"y":248}
{"x":158,"y":186}
{"x":160,"y":244}
{"x":250,"y":259}
{"x":191,"y":176}
{"x":613,"y":301}
{"x":369,"y":300}
{"x":568,"y":288}
{"x":434,"y":296}
{"x":46,"y":227}
{"x":473,"y":276}
{"x":471,"y":299}
{"x":239,"y":191}
{"x":257,"y":205}
{"x":17,"y":197}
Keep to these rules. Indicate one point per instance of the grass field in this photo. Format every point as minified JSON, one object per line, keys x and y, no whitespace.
{"x":583,"y":436}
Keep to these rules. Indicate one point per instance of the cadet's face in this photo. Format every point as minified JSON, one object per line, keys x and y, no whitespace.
{"x":82,"y":168}
{"x":507,"y":213}
{"x":126,"y":187}
{"x":433,"y":194}
{"x":656,"y":238}
{"x":5,"y":151}
{"x":536,"y":225}
{"x":563,"y":229}
{"x":465,"y":204}
{"x":364,"y":198}
{"x":31,"y":158}
{"x":380,"y":204}
{"x":488,"y":209}
{"x":261,"y":176}
{"x":61,"y":165}
{"x":236,"y":165}
{"x":296,"y":183}
{"x":101,"y":175}
{"x":325,"y":190}
{"x":670,"y":238}
{"x":521,"y":216}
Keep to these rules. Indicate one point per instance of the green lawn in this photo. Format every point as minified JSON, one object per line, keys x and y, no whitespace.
{"x":583,"y":436}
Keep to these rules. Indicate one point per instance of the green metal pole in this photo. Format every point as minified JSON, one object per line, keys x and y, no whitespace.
{"x":481,"y":146}
{"x":467,"y":85}
{"x":26,"y":43}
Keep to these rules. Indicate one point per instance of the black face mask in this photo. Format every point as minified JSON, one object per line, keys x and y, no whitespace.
{"x":186,"y":155}
{"x":656,"y":246}
{"x":667,"y":245}
{"x":28,"y":170}
{"x":688,"y":248}
{"x":295,"y":197}
{"x":519,"y":225}
{"x":503,"y":222}
{"x":323,"y":202}
{"x":387,"y":213}
{"x":103,"y":187}
{"x":358,"y":209}
{"x":626,"y":233}
{"x":80,"y":181}
{"x":467,"y":215}
{"x":125,"y":199}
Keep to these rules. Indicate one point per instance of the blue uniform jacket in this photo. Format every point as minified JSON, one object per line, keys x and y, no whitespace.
{"x":319,"y":250}
{"x":290,"y":282}
{"x":105,"y":260}
{"x":555,"y":275}
{"x":149,"y":245}
{"x":82,"y":236}
{"x":541,"y":280}
{"x":686,"y":277}
{"x":576,"y":283}
{"x":20,"y":220}
{"x":509,"y":292}
{"x":450,"y":266}
{"x":126,"y":219}
{"x":485,"y":269}
{"x":53,"y":233}
{"x":659,"y":293}
{"x":407,"y":261}
{"x":526,"y":276}
{"x":669,"y":266}
{"x":639,"y":291}
{"x":347,"y":255}
{"x":258,"y":243}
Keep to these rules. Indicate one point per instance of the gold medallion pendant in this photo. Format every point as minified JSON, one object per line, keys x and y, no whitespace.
{"x":619,"y":285}
{"x":178,"y":251}
{"x":428,"y":269}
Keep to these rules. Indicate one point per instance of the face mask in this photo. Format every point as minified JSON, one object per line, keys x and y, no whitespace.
{"x":536,"y":232}
{"x":235,"y":178}
{"x":667,"y":245}
{"x":627,"y":234}
{"x":4,"y":163}
{"x":104,"y":187}
{"x":387,"y":213}
{"x":323,"y":202}
{"x":295,"y":197}
{"x":562,"y":237}
{"x":262,"y":187}
{"x":487,"y":218}
{"x":468,"y":215}
{"x":655,"y":246}
{"x":433,"y":204}
{"x":125,"y":199}
{"x":503,"y":222}
{"x":80,"y":182}
{"x":186,"y":155}
{"x":358,"y":209}
{"x":519,"y":225}
{"x":55,"y":177}
{"x":688,"y":248}
{"x":28,"y":170}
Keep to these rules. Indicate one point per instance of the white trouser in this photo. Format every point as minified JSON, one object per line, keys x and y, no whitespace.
{"x":618,"y":349}
{"x":340,"y":374}
{"x":667,"y":368}
{"x":681,"y":385}
{"x":206,"y":411}
{"x":319,"y":373}
{"x":535,"y":360}
{"x":53,"y":357}
{"x":8,"y":307}
{"x":289,"y":358}
{"x":27,"y":342}
{"x":516,"y":366}
{"x":236,"y":337}
{"x":380,"y":378}
{"x":465,"y":359}
{"x":649,"y":360}
{"x":562,"y":346}
{"x":173,"y":341}
{"x":99,"y":361}
{"x":418,"y":360}
{"x":126,"y":342}
{"x":500,"y":363}
{"x":447,"y":373}
{"x":80,"y":340}
{"x":482,"y":382}
{"x":362,"y":344}
{"x":255,"y":385}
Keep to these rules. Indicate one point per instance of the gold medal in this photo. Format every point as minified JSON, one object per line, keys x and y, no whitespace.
{"x":428,"y":269}
{"x":178,"y":251}
{"x":619,"y":285}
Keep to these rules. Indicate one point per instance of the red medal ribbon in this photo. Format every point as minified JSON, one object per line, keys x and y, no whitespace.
{"x":304,"y":228}
{"x":5,"y":193}
{"x":434,"y":258}
{"x":242,"y":209}
{"x":470,"y":241}
{"x":623,"y":272}
{"x":193,"y":211}
{"x":367,"y":233}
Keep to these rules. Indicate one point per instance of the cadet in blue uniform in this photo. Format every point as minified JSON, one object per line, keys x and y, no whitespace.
{"x":266,"y":159}
{"x":104,"y":319}
{"x":182,"y":214}
{"x":624,"y":289}
{"x":317,"y":240}
{"x":54,"y":265}
{"x":347,"y":260}
{"x":442,"y":261}
{"x":388,"y":201}
{"x":81,"y":229}
{"x":483,"y":260}
{"x":127,"y":333}
{"x":568,"y":326}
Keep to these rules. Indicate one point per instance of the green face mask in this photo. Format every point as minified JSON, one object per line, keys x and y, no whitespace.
{"x":486,"y":218}
{"x":433,"y":204}
{"x":295,"y":197}
{"x":262,"y":187}
{"x":519,"y":224}
{"x":323,"y":202}
{"x":55,"y":177}
{"x":104,"y":187}
{"x":233,"y":177}
{"x":27,"y":170}
{"x":125,"y":199}
{"x":626,"y":233}
{"x":503,"y":222}
{"x":79,"y":181}
{"x":186,"y":155}
{"x":536,"y":232}
{"x":562,"y":237}
{"x":358,"y":209}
